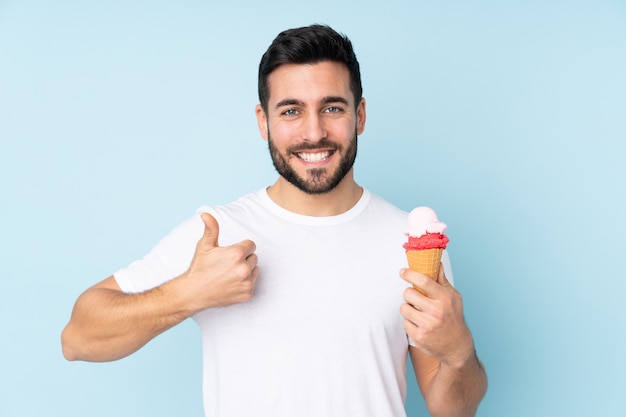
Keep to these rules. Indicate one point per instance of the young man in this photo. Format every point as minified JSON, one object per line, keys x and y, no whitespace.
{"x":295,"y":287}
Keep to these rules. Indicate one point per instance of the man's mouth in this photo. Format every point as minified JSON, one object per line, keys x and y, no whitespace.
{"x":314,"y":156}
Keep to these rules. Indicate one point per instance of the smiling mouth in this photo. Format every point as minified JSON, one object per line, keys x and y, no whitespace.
{"x":314,"y":156}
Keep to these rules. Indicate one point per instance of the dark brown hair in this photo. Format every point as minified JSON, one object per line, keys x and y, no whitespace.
{"x":309,"y":45}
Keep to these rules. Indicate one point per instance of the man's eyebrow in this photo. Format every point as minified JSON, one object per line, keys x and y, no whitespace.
{"x":325,"y":100}
{"x":289,"y":102}
{"x":335,"y":99}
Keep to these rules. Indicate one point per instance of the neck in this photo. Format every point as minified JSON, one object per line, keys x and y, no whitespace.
{"x":339,"y":200}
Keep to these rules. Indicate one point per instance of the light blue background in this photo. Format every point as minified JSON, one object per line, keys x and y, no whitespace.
{"x":118,"y":119}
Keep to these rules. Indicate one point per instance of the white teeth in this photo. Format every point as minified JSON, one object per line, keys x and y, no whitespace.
{"x":313,"y":157}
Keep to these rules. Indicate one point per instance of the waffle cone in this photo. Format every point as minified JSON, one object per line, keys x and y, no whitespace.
{"x":426,"y":261}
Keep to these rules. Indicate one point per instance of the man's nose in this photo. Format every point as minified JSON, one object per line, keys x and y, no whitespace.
{"x":313,"y":129}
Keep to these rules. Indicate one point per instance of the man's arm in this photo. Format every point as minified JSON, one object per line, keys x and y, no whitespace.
{"x":108,"y":324}
{"x":449,"y":374}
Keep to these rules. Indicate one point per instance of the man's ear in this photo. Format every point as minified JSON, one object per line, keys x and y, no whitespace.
{"x":261,"y":120}
{"x":360,"y":117}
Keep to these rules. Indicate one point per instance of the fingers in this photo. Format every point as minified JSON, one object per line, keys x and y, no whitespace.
{"x":410,"y":313}
{"x":423,"y":283}
{"x":211,"y":231}
{"x":415,"y":297}
{"x":248,"y":247}
{"x":252,"y":260}
{"x":420,"y":282}
{"x":210,"y":236}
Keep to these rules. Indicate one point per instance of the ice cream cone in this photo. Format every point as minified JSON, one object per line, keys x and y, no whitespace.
{"x":425,"y":261}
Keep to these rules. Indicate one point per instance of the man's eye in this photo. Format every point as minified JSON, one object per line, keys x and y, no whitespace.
{"x":290,"y":112}
{"x":333,"y":109}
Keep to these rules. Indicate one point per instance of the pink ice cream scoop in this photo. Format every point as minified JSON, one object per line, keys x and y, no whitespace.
{"x":425,"y":230}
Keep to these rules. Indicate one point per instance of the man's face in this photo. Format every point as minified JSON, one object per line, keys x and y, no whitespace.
{"x":312,"y":124}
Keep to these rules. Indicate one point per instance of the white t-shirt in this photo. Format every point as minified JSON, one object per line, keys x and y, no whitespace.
{"x":322,"y":335}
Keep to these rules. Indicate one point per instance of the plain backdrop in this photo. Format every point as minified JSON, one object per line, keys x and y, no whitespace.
{"x":119,"y":118}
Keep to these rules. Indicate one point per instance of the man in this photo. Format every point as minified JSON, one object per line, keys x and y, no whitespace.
{"x":295,"y":287}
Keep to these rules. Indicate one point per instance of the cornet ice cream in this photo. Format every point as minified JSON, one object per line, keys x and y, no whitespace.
{"x":426,"y":242}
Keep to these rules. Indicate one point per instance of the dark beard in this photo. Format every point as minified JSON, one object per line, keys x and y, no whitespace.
{"x":319,"y":181}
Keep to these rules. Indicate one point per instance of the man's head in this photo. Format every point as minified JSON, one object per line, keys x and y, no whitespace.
{"x":311,"y":109}
{"x":309,"y":45}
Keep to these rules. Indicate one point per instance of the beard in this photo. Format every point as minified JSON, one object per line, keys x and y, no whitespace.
{"x":317,"y":180}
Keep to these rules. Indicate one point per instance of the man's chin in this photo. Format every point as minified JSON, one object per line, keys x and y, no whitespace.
{"x":312,"y":188}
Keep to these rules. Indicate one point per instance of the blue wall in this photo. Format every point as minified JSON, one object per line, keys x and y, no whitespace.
{"x":118,"y":120}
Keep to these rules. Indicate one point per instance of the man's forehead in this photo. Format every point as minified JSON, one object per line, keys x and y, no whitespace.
{"x":319,"y":81}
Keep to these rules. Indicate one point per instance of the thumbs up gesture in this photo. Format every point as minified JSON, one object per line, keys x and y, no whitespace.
{"x":220,"y":276}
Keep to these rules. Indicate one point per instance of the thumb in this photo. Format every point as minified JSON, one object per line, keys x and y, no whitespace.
{"x":211,"y":231}
{"x":441,"y":279}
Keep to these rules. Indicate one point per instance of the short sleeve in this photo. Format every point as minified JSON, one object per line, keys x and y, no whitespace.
{"x":167,"y":260}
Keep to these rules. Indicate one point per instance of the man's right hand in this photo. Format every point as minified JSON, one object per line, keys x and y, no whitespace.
{"x":108,"y":324}
{"x":221,"y":275}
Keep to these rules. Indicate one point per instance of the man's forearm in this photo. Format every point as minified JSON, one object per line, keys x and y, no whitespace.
{"x":107,"y":324}
{"x":456,"y":391}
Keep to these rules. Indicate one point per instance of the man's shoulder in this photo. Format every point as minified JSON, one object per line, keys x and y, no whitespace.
{"x":245,"y":202}
{"x":380,"y":203}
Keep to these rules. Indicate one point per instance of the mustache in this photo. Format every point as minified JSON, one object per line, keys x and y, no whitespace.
{"x":308,"y":146}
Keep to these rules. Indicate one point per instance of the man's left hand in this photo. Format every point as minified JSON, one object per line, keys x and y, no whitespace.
{"x":435,"y":321}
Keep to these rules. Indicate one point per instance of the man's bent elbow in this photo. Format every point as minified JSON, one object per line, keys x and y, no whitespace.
{"x":69,"y":346}
{"x":74,"y":347}
{"x":77,"y":347}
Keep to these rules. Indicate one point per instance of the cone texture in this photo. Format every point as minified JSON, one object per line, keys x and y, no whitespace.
{"x":425,"y":261}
